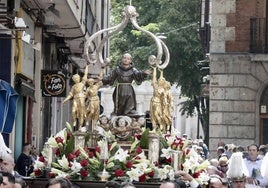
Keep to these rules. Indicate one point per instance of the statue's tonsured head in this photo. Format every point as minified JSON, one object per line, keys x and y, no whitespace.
{"x":127,"y":55}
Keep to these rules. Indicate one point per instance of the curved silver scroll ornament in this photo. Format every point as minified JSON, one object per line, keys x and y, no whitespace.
{"x":154,"y":61}
{"x":167,"y":55}
{"x":98,"y":50}
{"x":129,"y":13}
{"x":90,"y":57}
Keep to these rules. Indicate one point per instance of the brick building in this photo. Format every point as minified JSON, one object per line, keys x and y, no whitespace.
{"x":235,"y":39}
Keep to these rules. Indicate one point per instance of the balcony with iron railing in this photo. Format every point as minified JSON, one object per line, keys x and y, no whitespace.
{"x":258,"y":35}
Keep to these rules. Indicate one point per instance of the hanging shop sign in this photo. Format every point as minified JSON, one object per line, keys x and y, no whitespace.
{"x":53,"y":83}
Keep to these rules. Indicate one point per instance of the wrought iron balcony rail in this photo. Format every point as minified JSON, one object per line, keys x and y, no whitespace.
{"x":258,"y":35}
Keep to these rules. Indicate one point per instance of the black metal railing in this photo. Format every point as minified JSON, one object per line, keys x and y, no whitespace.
{"x":258,"y":35}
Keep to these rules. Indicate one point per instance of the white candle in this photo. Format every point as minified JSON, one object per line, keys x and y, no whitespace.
{"x":104,"y":150}
{"x":49,"y":156}
{"x":175,"y":158}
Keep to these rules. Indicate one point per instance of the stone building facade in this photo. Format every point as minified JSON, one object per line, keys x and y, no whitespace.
{"x":238,"y":72}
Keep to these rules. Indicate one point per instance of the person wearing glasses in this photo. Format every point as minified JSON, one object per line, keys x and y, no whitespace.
{"x":223,"y":166}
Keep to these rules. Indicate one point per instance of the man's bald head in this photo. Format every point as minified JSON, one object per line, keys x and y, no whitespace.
{"x":8,"y":163}
{"x":169,"y":185}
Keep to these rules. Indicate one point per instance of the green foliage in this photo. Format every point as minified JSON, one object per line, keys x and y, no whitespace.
{"x":144,"y":141}
{"x":69,"y":147}
{"x":163,"y":143}
{"x":178,"y":21}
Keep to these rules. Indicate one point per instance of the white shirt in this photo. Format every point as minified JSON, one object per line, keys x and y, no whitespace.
{"x":254,"y":169}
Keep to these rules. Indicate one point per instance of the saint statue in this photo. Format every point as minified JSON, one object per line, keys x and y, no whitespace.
{"x":124,"y":97}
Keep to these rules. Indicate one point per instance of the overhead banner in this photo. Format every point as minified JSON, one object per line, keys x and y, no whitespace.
{"x":53,"y":83}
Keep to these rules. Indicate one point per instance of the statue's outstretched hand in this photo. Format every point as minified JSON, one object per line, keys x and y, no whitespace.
{"x":148,"y":71}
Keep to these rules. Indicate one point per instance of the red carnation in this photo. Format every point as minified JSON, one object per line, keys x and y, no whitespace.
{"x":97,"y":149}
{"x":71,"y":156}
{"x":137,"y":158}
{"x":151,"y":174}
{"x":59,"y":140}
{"x":84,"y":162}
{"x":84,"y":173}
{"x":156,"y":163}
{"x":69,"y":134}
{"x":57,"y":152}
{"x":139,"y":150}
{"x":196,"y":175}
{"x":169,"y":160}
{"x":181,"y":145}
{"x":77,"y":153}
{"x":138,"y":136}
{"x":41,"y":159}
{"x":90,"y":154}
{"x":174,"y":145}
{"x":119,"y":173}
{"x":129,"y":164}
{"x":37,"y":172}
{"x":142,"y":178}
{"x":51,"y":175}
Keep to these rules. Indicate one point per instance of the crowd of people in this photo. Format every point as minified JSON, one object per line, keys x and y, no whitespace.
{"x":232,"y":167}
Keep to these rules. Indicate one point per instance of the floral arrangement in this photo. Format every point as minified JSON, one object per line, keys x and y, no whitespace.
{"x":196,"y":166}
{"x":189,"y":161}
{"x":84,"y":163}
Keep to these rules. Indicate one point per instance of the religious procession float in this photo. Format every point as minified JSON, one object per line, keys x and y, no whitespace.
{"x":94,"y":149}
